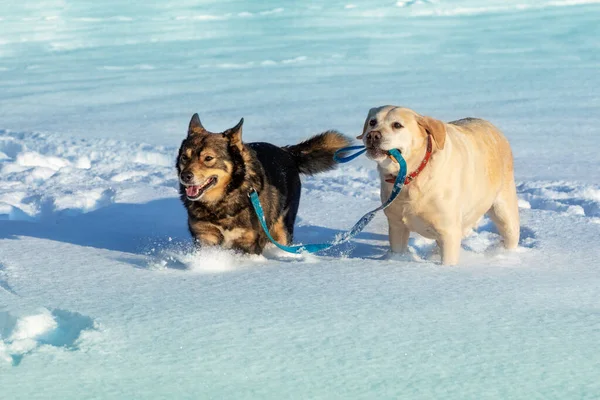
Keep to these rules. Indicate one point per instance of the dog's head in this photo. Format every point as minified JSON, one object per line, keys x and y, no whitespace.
{"x":209,"y":162}
{"x":390,"y":127}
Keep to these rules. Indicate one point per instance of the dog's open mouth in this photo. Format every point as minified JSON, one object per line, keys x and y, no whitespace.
{"x":194,"y":192}
{"x":375,"y":153}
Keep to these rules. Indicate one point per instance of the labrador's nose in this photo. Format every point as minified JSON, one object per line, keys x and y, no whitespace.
{"x":373,"y":139}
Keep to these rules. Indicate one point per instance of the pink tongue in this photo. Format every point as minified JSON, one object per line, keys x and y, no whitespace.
{"x":192,"y":191}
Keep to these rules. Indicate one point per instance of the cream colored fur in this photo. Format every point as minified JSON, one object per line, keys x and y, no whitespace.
{"x":470,"y":173}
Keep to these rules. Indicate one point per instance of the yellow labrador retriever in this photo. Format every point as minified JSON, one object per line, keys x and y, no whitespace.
{"x":458,"y":171}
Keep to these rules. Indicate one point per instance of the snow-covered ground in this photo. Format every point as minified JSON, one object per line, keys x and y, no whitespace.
{"x":101,"y":295}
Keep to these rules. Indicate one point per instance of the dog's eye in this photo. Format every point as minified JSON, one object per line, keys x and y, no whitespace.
{"x":184,"y":158}
{"x":397,"y":125}
{"x":373,"y":122}
{"x":208,"y":158}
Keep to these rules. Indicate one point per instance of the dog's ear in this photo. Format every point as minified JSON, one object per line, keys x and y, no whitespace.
{"x":435,"y":128}
{"x":366,"y":124}
{"x":234,"y":135}
{"x":195,"y":125}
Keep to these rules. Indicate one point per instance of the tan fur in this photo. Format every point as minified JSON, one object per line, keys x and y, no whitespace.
{"x":279,"y":232}
{"x":238,"y":238}
{"x":470,"y":173}
{"x":334,"y":142}
{"x":435,"y":128}
{"x":235,"y":135}
{"x":207,"y":233}
{"x":244,"y":240}
{"x":202,"y":171}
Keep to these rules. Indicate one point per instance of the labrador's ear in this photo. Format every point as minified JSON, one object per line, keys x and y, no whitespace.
{"x":366,"y":124}
{"x":234,"y":135}
{"x":195,"y":125}
{"x":435,"y":128}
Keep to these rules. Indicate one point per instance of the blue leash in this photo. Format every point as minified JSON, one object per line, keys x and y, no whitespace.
{"x":342,"y":160}
{"x":358,"y":227}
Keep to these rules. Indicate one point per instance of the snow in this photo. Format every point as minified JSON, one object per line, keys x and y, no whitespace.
{"x":102,"y":294}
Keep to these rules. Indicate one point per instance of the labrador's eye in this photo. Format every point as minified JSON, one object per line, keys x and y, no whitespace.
{"x":208,"y":158}
{"x":397,"y":125}
{"x":373,"y":122}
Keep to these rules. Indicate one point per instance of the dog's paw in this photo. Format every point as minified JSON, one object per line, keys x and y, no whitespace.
{"x":407,"y":256}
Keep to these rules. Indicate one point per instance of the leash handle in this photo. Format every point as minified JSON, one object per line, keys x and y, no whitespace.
{"x":343,"y":237}
{"x":341,"y":160}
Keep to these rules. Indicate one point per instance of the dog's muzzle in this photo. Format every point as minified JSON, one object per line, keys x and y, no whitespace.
{"x":373,"y":139}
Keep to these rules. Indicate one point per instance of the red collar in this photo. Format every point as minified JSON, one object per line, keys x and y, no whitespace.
{"x":411,"y":177}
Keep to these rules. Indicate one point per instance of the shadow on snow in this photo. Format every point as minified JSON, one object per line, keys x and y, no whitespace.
{"x":140,"y":228}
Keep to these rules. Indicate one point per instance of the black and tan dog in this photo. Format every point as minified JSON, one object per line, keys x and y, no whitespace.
{"x":217,"y":171}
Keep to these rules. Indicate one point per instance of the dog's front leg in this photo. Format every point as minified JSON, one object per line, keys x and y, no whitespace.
{"x":450,"y":246}
{"x":399,"y":234}
{"x":205,"y":234}
{"x":209,"y":239}
{"x":249,"y":242}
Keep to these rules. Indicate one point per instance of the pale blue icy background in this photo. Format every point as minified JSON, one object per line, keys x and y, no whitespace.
{"x":139,"y":71}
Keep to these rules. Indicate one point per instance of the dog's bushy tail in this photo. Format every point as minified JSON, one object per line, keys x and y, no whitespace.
{"x":316,"y":154}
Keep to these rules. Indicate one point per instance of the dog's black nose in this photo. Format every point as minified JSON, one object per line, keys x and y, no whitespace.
{"x":187,"y":176}
{"x":373,"y":138}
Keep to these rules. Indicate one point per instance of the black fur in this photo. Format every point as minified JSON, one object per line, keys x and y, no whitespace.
{"x":274,"y":172}
{"x":281,"y":171}
{"x":315,"y":154}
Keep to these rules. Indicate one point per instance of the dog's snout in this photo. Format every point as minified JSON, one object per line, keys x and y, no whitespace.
{"x":187,"y":176}
{"x":373,"y":138}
